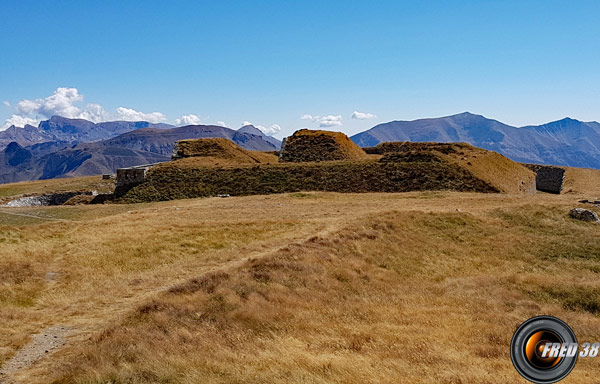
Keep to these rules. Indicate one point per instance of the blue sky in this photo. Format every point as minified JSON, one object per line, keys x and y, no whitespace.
{"x":273,"y":62}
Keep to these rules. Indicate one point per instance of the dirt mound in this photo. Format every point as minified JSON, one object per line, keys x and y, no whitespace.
{"x":504,"y":174}
{"x":217,"y":148}
{"x":307,"y":145}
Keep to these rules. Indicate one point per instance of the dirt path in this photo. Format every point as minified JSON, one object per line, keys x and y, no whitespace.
{"x":41,"y":345}
{"x":32,"y":216}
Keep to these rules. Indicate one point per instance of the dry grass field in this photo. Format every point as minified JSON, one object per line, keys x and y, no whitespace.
{"x":419,"y":287}
{"x":88,"y":183}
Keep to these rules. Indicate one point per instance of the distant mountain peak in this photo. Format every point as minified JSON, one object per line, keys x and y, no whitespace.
{"x":567,"y":120}
{"x":249,"y":128}
{"x":567,"y":142}
{"x":468,"y":115}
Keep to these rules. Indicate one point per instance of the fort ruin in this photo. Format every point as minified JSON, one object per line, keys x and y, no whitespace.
{"x":321,"y":161}
{"x":548,"y":178}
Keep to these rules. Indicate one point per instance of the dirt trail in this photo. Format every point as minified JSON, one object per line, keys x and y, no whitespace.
{"x":32,"y":216}
{"x":41,"y":344}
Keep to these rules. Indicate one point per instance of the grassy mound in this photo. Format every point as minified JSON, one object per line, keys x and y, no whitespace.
{"x":168,"y":181}
{"x":497,"y":170}
{"x":218,"y":148}
{"x":307,"y":145}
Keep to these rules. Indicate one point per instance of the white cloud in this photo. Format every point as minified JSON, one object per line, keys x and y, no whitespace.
{"x":20,"y":121}
{"x":95,"y":113}
{"x":324,"y":121}
{"x":59,"y":103}
{"x":223,"y":124}
{"x":7,"y":103}
{"x":63,"y":102}
{"x":362,"y":115}
{"x":128,"y":114}
{"x":271,"y":130}
{"x":246,"y":123}
{"x":188,"y":120}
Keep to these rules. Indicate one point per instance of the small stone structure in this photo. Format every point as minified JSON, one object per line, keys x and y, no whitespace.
{"x":128,"y":178}
{"x":584,"y":214}
{"x":133,"y":175}
{"x":548,"y":178}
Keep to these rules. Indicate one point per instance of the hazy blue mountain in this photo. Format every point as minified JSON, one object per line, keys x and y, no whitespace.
{"x":63,"y":129}
{"x":71,"y":130}
{"x":27,"y":135}
{"x":33,"y":163}
{"x":252,"y":130}
{"x":162,"y":140}
{"x":566,"y":142}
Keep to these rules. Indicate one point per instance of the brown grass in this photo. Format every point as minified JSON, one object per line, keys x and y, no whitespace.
{"x":497,"y":170}
{"x":310,"y":287}
{"x":219,"y":151}
{"x":582,"y":181}
{"x":403,"y":296}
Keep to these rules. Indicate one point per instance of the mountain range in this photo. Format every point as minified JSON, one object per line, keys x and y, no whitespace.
{"x":62,"y":147}
{"x":566,"y":142}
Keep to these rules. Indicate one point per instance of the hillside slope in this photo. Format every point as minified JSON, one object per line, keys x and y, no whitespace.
{"x":20,"y":164}
{"x":329,"y":288}
{"x":565,"y":142}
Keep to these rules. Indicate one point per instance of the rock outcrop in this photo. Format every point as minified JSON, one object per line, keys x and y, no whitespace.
{"x":584,"y":214}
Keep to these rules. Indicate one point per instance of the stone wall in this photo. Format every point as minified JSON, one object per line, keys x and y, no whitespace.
{"x":548,"y":178}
